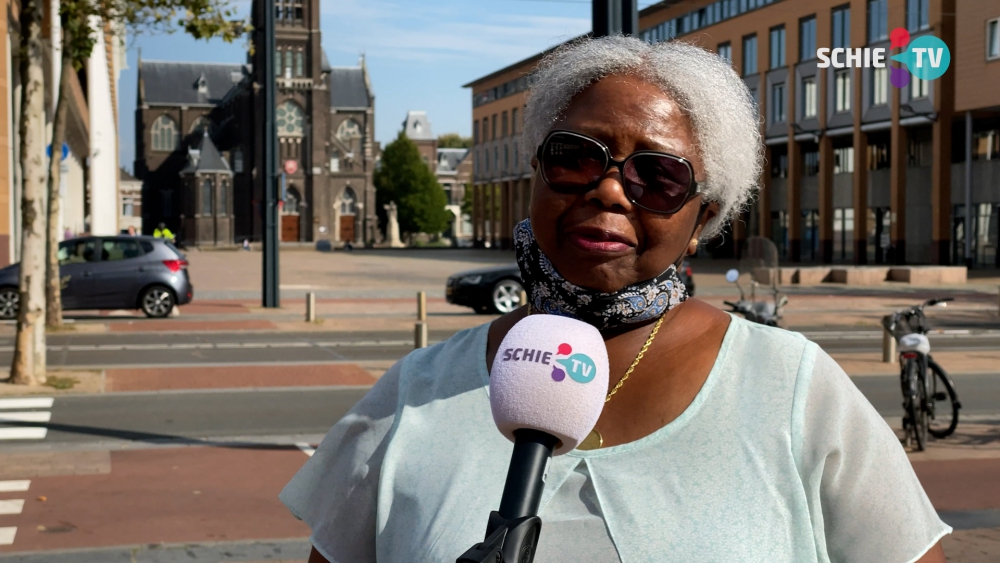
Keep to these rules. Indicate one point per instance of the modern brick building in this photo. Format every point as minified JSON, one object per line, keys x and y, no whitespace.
{"x":857,"y":171}
{"x":325,"y":123}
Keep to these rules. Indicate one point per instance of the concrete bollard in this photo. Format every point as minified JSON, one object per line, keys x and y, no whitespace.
{"x":422,"y":306}
{"x":523,"y":297}
{"x":420,"y":335}
{"x":310,"y":307}
{"x":888,"y":347}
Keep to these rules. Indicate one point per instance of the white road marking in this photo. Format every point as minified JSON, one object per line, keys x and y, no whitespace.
{"x":41,"y":416}
{"x":11,"y":506}
{"x":306,"y":448}
{"x":14,"y":486}
{"x":26,"y":433}
{"x":28,"y":403}
{"x":7,"y":535}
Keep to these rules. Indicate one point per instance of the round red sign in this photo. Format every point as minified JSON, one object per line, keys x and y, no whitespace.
{"x":291,"y":167}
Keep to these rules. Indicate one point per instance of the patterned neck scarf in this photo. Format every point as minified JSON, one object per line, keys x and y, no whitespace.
{"x":550,"y":293}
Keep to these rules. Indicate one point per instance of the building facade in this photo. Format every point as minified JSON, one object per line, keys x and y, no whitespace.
{"x":858,"y":171}
{"x":89,"y":169}
{"x":324,"y":118}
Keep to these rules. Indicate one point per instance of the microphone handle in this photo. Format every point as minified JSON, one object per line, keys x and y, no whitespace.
{"x":522,"y":493}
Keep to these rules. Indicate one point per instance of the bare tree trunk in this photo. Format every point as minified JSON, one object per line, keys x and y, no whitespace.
{"x":53,"y":282}
{"x":28,"y":367}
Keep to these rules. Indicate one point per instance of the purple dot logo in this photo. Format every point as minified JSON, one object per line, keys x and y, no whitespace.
{"x":899,"y":77}
{"x":558,"y":374}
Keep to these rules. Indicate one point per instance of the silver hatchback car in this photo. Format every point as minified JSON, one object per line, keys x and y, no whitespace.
{"x":112,"y":272}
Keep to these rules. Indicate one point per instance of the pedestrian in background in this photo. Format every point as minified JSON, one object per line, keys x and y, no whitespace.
{"x":163,"y":232}
{"x":131,"y":231}
{"x":67,"y":234}
{"x":246,"y":244}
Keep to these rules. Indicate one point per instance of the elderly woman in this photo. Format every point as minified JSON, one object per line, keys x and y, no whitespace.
{"x":720,"y":440}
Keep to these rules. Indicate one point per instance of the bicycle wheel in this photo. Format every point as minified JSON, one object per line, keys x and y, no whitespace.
{"x":944,"y":399}
{"x":914,"y":406}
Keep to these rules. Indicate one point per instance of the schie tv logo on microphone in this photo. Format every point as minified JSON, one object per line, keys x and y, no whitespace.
{"x":927,"y":57}
{"x":579,"y":367}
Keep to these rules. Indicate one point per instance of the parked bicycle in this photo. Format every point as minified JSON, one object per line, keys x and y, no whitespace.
{"x":930,"y":403}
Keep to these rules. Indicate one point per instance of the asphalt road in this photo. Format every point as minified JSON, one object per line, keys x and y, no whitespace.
{"x":285,"y":416}
{"x":95,"y":351}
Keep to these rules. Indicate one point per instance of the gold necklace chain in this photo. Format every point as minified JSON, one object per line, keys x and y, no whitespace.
{"x":638,"y":357}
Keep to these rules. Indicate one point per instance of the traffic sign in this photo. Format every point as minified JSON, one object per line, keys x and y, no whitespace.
{"x":65,"y":151}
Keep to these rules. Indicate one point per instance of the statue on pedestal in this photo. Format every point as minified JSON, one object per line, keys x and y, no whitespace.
{"x":392,"y":230}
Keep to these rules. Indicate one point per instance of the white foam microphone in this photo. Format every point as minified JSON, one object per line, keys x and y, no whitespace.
{"x":547,"y":389}
{"x":550,"y":374}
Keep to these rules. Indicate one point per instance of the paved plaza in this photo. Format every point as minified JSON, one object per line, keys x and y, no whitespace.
{"x":220,"y":404}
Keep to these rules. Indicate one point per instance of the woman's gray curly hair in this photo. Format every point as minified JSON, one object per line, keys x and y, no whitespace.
{"x":707,"y":88}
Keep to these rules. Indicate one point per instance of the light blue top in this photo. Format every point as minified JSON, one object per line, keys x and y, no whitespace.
{"x":778,"y":458}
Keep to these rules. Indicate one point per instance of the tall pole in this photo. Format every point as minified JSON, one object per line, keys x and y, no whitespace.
{"x":970,"y":260}
{"x":270,"y":267}
{"x":615,"y":17}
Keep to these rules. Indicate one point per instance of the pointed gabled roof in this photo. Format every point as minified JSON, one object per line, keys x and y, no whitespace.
{"x":188,"y":83}
{"x":205,"y":158}
{"x":349,"y":88}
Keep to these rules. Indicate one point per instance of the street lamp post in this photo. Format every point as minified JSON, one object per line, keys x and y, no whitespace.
{"x":266,"y":75}
{"x":613,"y":17}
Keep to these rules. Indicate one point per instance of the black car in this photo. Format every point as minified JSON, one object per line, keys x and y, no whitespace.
{"x":497,"y":289}
{"x":112,"y":272}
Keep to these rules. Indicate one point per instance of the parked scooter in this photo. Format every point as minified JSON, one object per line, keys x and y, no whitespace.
{"x":752,"y":310}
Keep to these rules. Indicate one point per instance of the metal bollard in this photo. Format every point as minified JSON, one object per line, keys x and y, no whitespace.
{"x":421,"y":306}
{"x":420,"y":335}
{"x":888,"y":347}
{"x":310,"y":307}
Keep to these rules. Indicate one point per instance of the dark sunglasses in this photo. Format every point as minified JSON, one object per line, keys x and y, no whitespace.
{"x":572,"y":163}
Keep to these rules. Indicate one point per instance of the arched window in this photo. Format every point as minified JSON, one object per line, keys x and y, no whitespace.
{"x":292,"y":199}
{"x":348,"y":202}
{"x":224,"y":199}
{"x":200,"y":125}
{"x":348,"y":131}
{"x":299,"y":63}
{"x":288,"y":63}
{"x":289,"y":119}
{"x":277,"y":62}
{"x":206,"y":197}
{"x":164,"y":134}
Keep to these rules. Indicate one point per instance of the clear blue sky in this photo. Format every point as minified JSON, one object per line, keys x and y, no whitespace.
{"x":419,"y":52}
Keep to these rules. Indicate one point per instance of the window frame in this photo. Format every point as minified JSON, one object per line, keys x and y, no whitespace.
{"x":728,"y":48}
{"x":882,"y":21}
{"x":780,"y":52}
{"x":841,"y":15}
{"x":879,"y":86}
{"x":995,"y":22}
{"x":155,"y":133}
{"x":922,"y":17}
{"x":810,"y":97}
{"x":750,"y":39}
{"x":778,"y":107}
{"x":846,"y":106}
{"x":807,"y":54}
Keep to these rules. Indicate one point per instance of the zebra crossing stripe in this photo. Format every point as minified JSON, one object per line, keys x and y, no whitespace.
{"x":11,"y":506}
{"x":27,"y":403}
{"x":7,"y":535}
{"x":27,"y":433}
{"x":14,"y":486}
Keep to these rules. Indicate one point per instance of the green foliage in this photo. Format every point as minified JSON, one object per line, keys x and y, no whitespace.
{"x":454,"y":141}
{"x":467,"y":201}
{"x":402,"y":177}
{"x":201,"y":19}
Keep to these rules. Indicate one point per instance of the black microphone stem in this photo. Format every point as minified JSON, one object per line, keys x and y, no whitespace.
{"x":522,"y":493}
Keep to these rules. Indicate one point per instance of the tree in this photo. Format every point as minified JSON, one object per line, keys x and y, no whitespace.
{"x":454,"y":141}
{"x":81,"y":21}
{"x":403,"y":177}
{"x":28,"y":365}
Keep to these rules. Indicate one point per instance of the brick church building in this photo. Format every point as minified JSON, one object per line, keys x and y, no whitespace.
{"x":191,"y":113}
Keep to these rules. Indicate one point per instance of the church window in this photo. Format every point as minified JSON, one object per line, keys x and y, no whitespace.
{"x":206,"y":197}
{"x":164,"y":134}
{"x":288,"y":63}
{"x":289,"y":119}
{"x":348,"y":131}
{"x":299,"y":63}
